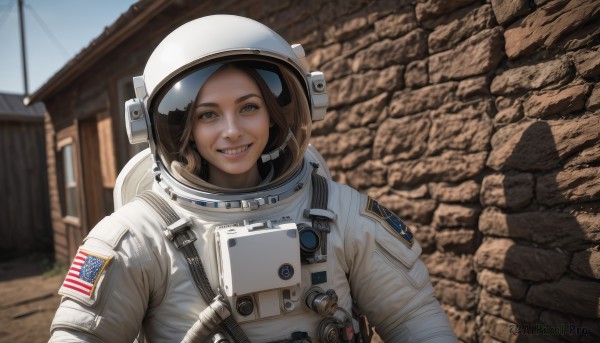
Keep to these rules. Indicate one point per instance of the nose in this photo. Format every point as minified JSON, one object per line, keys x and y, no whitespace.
{"x":232,"y":127}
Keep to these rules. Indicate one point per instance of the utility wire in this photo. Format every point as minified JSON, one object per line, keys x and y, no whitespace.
{"x":4,"y":19}
{"x":48,"y":32}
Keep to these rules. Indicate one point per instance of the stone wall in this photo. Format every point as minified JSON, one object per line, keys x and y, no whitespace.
{"x":478,"y":122}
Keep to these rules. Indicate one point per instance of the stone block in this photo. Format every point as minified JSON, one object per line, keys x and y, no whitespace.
{"x":584,"y":157}
{"x":329,"y":12}
{"x":429,"y":9}
{"x":468,"y":130}
{"x":450,"y":266}
{"x":384,"y":53}
{"x":531,"y":77}
{"x":547,"y":25}
{"x":497,"y":328}
{"x":463,"y":323}
{"x":341,"y":144}
{"x":571,"y":185}
{"x":473,"y":87}
{"x":503,"y":102}
{"x":593,"y":102}
{"x":356,"y":87}
{"x":581,"y":38}
{"x":416,"y":75}
{"x":462,"y":296}
{"x":290,"y":14}
{"x":450,"y":166}
{"x":327,"y":125}
{"x":354,"y":158}
{"x":396,"y":24}
{"x":477,"y":55}
{"x":368,"y":174}
{"x":485,"y":338}
{"x":364,"y":113}
{"x":401,"y":139}
{"x":459,"y":241}
{"x":569,"y":231}
{"x":587,"y":263}
{"x":587,"y":63}
{"x":465,"y":192}
{"x":418,"y":210}
{"x":424,"y":234}
{"x":569,"y":296}
{"x":457,"y":216}
{"x":419,"y":192}
{"x":541,"y":145}
{"x":352,"y":46}
{"x":502,"y":284}
{"x":556,"y":102}
{"x":512,"y":191}
{"x":337,"y":69}
{"x":509,"y":115}
{"x":345,"y":29}
{"x":523,"y":262}
{"x":447,"y":36}
{"x":322,"y":55}
{"x":512,"y":311}
{"x":426,"y":98}
{"x":509,"y":10}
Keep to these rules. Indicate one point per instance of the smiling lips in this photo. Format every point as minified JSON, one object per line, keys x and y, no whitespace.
{"x":234,"y":151}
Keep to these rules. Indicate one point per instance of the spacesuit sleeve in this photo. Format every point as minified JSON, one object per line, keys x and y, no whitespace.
{"x":106,"y":291}
{"x":388,"y":280}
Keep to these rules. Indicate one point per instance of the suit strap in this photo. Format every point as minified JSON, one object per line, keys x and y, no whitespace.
{"x":179,"y":231}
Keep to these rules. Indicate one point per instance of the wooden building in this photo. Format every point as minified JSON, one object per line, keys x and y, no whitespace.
{"x":24,"y":208}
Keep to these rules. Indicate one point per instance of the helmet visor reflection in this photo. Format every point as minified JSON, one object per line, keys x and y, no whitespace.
{"x":170,"y":110}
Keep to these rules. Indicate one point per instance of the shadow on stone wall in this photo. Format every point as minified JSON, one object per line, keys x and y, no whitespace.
{"x":546,"y":288}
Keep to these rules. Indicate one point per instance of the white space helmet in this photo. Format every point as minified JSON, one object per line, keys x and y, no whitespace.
{"x":176,"y":72}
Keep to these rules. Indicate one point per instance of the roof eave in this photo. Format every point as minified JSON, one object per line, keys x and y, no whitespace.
{"x":97,"y":49}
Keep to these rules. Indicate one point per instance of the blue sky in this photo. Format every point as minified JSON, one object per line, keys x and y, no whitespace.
{"x":56,"y":30}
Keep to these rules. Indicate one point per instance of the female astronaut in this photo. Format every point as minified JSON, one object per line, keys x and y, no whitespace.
{"x":242,"y":238}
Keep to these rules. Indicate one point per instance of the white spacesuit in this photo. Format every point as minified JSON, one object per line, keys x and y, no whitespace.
{"x":294,"y":259}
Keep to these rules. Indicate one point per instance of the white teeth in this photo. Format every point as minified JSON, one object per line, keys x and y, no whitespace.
{"x":235,"y":151}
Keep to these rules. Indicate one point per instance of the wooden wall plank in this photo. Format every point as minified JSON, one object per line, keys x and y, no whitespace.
{"x":24,"y":205}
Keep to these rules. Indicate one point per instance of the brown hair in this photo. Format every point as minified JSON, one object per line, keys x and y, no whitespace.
{"x":284,"y":118}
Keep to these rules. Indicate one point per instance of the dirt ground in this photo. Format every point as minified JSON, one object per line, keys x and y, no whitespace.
{"x":28,"y":299}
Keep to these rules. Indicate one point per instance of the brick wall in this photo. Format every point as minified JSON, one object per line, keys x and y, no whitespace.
{"x":478,"y":122}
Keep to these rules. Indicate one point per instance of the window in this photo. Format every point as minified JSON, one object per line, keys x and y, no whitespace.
{"x":70,"y":183}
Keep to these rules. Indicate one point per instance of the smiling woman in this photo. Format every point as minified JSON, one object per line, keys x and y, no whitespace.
{"x":235,"y":124}
{"x":231,"y":128}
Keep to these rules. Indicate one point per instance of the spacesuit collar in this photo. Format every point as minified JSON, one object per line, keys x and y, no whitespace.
{"x":192,"y":180}
{"x":185,"y":188}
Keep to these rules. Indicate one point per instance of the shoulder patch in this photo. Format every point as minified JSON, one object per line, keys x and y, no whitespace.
{"x":389,"y":220}
{"x":84,"y":274}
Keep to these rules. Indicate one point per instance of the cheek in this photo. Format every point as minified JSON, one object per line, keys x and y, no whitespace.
{"x":262,"y":125}
{"x":202,"y":136}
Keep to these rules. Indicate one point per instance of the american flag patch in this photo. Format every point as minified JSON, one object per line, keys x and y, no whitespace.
{"x":85,"y":272}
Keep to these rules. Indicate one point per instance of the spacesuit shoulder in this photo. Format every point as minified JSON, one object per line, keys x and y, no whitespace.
{"x":113,"y":239}
{"x":361,"y":215}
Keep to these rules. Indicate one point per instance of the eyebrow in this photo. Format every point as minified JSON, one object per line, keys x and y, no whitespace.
{"x":237,"y":101}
